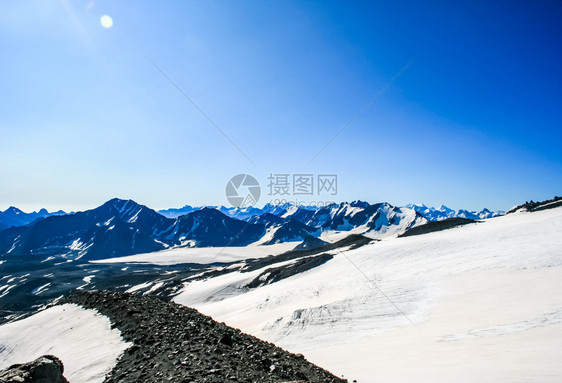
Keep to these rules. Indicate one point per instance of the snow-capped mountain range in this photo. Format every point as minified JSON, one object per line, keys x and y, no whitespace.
{"x":304,"y":212}
{"x":443,"y":212}
{"x":124,"y":227}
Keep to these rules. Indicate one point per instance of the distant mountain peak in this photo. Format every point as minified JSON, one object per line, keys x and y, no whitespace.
{"x":13,"y":210}
{"x":359,"y":203}
{"x":208,"y":210}
{"x":445,"y":208}
{"x":119,"y":202}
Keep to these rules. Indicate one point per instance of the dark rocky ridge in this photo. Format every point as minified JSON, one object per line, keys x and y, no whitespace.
{"x":276,"y":274}
{"x":352,"y":241}
{"x":178,"y":344}
{"x":45,"y":369}
{"x":433,"y":226}
{"x":537,"y":206}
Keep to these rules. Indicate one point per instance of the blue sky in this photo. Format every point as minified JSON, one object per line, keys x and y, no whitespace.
{"x":474,"y":121}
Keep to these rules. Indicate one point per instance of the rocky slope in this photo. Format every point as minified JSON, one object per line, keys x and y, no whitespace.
{"x":178,"y":344}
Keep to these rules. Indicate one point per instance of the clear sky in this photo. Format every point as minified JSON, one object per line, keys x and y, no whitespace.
{"x":474,"y":121}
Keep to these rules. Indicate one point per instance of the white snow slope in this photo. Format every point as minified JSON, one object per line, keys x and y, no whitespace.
{"x":486,"y":300}
{"x":202,"y":255}
{"x":82,"y":339}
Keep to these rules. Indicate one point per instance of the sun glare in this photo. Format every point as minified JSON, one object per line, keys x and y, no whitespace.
{"x":106,"y":21}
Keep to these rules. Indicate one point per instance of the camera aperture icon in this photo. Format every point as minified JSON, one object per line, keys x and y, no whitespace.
{"x":243,"y":190}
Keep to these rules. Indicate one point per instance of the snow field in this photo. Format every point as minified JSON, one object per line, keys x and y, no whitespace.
{"x":485,"y":299}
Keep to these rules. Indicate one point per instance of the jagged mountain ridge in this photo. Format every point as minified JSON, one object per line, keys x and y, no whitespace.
{"x":116,"y":227}
{"x":305,"y":213}
{"x":377,"y":220}
{"x":124,"y":227}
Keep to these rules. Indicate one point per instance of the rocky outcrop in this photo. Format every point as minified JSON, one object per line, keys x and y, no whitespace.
{"x":45,"y":369}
